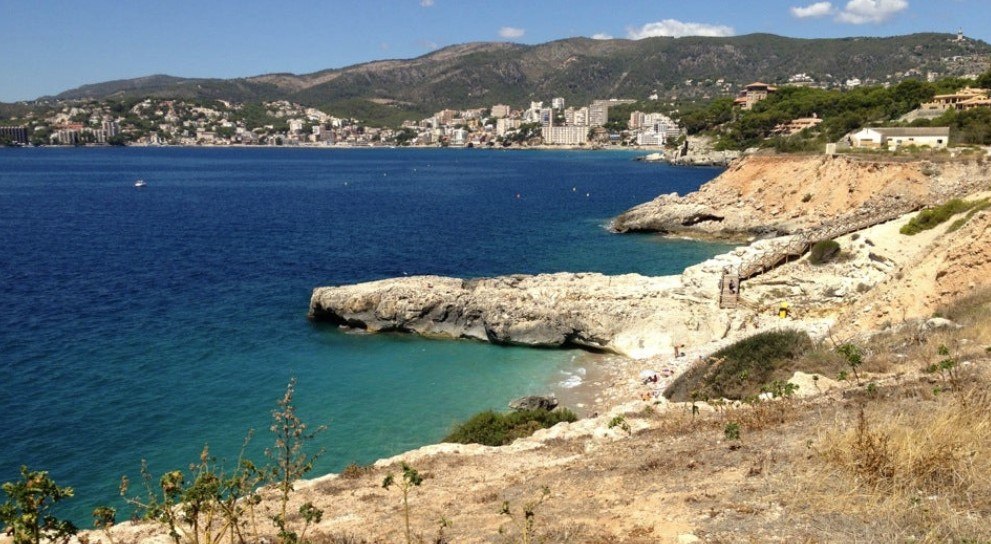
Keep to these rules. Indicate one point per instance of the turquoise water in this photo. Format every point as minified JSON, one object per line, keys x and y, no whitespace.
{"x":142,"y":324}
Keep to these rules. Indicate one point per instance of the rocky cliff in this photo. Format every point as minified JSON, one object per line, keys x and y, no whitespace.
{"x":776,"y":195}
{"x":950,"y":265}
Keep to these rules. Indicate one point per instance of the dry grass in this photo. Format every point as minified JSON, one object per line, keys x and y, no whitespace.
{"x":354,"y":471}
{"x":907,"y":470}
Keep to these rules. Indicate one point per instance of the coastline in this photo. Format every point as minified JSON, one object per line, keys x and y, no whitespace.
{"x":467,"y":481}
{"x":644,"y":149}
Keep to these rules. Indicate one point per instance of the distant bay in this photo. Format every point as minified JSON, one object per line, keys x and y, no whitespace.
{"x":145,"y":323}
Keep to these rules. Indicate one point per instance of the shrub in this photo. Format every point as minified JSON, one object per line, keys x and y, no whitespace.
{"x":495,"y":429}
{"x":732,"y":431}
{"x":354,"y":471}
{"x":824,"y":251}
{"x":932,"y":217}
{"x":739,"y":370}
{"x":620,"y":421}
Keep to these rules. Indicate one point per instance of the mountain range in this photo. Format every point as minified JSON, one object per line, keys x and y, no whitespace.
{"x":577,"y":69}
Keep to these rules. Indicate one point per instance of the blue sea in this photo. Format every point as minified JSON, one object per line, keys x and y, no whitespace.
{"x":145,"y":323}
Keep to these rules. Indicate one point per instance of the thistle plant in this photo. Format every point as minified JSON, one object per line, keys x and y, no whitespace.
{"x":854,"y":358}
{"x":104,"y":519}
{"x":409,"y":479}
{"x":947,"y":368}
{"x":291,"y":461}
{"x":161,"y":501}
{"x":526,"y":520}
{"x":27,"y":512}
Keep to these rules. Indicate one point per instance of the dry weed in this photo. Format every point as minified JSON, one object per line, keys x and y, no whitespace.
{"x":910,"y":471}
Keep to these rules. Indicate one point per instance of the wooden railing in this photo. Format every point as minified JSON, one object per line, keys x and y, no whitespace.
{"x":799,"y":244}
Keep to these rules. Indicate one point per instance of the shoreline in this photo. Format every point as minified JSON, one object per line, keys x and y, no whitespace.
{"x":337,"y":146}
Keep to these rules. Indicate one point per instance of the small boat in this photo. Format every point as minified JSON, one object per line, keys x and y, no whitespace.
{"x":140,"y":183}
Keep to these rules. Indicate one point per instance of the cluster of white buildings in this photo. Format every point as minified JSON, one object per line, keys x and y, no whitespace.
{"x":179,"y":122}
{"x":554,"y":123}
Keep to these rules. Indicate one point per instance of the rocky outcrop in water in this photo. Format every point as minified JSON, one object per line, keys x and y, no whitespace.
{"x":695,"y":151}
{"x":632,"y":315}
{"x":534,"y":402}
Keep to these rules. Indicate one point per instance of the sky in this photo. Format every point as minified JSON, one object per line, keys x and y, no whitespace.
{"x":54,"y":45}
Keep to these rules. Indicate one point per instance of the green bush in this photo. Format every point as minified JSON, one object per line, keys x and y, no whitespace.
{"x":495,"y":429}
{"x":932,"y":217}
{"x":741,"y":369}
{"x":824,"y":251}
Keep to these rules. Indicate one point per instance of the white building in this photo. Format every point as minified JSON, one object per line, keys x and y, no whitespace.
{"x":573,"y":135}
{"x":112,"y":128}
{"x":893,"y":138}
{"x":598,"y":113}
{"x":581,"y":117}
{"x":557,"y":103}
{"x":322,"y":134}
{"x":505,"y":125}
{"x":500,"y":110}
{"x":546,"y":117}
{"x":459,"y":136}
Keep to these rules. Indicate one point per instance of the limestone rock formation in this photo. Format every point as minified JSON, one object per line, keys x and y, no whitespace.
{"x":631,"y":314}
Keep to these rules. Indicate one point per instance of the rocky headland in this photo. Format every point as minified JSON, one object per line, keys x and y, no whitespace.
{"x":789,"y":201}
{"x":765,"y":196}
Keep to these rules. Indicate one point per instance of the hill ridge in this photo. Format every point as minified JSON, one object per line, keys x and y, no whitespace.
{"x":478,"y":74}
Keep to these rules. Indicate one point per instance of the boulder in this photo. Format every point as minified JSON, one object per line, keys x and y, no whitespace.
{"x":534,"y":402}
{"x":936,"y":324}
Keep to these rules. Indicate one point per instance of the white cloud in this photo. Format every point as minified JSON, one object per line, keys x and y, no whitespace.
{"x":678,"y":29}
{"x":426,"y":3}
{"x":601,"y":36}
{"x":510,"y":32}
{"x":859,"y":12}
{"x":427,"y":44}
{"x":819,"y":9}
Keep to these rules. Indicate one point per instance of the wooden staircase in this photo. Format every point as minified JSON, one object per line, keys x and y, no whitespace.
{"x":729,"y":291}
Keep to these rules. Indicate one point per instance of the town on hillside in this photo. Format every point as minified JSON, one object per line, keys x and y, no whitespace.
{"x":224,"y":123}
{"x":795,"y":116}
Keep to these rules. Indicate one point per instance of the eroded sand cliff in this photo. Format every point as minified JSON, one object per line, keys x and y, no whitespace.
{"x":775,"y":195}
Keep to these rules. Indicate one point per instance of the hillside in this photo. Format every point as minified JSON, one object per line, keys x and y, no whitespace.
{"x":578,"y":69}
